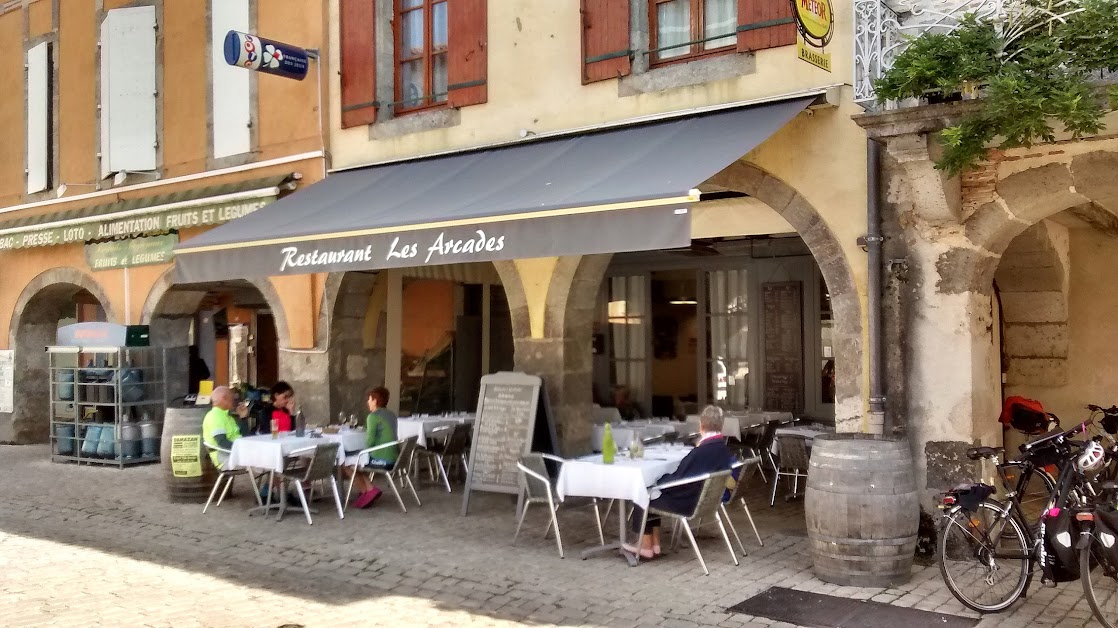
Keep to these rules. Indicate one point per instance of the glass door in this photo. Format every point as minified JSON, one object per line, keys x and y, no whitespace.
{"x":627,"y":312}
{"x":727,"y":338}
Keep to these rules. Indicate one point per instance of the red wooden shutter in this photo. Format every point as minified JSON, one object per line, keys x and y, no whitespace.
{"x":605,"y":40}
{"x":359,"y":62}
{"x":765,"y":24}
{"x":467,"y":62}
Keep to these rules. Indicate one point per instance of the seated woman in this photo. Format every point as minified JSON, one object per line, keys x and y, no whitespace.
{"x":283,"y":406}
{"x":380,"y":429}
{"x":626,"y":407}
{"x":709,"y":456}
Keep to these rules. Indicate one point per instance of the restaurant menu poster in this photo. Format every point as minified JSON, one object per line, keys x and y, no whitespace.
{"x":186,"y":457}
{"x":7,"y":380}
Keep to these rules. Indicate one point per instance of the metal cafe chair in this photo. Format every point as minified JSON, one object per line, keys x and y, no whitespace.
{"x":400,"y":472}
{"x":750,"y":446}
{"x":707,"y":507}
{"x":452,"y":449}
{"x":793,"y":463}
{"x":226,"y":476}
{"x":738,"y":494}
{"x":537,"y":487}
{"x":320,"y":466}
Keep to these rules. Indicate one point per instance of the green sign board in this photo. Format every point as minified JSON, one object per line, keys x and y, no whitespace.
{"x":132,"y":226}
{"x":134,"y":252}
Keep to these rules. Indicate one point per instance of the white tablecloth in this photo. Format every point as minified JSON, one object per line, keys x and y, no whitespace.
{"x":809,"y":432}
{"x":267,"y":453}
{"x":731,"y":426}
{"x":623,"y":433}
{"x":350,"y":440}
{"x":624,"y":479}
{"x":423,"y":426}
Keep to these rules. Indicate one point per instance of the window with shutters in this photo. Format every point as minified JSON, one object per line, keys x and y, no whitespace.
{"x":421,"y":54}
{"x":683,"y":29}
{"x":128,"y":91}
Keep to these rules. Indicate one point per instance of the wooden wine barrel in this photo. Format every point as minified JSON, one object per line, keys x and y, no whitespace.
{"x":862,"y":510}
{"x":185,"y":421}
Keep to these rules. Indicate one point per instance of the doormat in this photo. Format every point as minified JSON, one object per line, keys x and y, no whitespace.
{"x":827,"y":611}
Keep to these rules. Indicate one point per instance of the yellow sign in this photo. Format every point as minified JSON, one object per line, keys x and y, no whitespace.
{"x":814,"y":57}
{"x":186,"y":456}
{"x":816,"y":20}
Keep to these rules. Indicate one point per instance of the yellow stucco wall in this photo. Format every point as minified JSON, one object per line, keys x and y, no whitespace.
{"x":11,"y":109}
{"x":40,"y":18}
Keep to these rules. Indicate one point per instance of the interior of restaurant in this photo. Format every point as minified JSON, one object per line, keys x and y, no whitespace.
{"x":742,"y":323}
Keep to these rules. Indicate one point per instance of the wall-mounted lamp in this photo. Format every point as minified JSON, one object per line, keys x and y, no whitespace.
{"x":120,"y":177}
{"x":61,"y":191}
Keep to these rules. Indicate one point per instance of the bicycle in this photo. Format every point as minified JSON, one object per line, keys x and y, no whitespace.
{"x":988,"y":548}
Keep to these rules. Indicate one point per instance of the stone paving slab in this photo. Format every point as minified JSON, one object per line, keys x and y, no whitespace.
{"x":97,"y":546}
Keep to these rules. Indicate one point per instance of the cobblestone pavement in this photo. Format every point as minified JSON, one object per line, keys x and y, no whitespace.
{"x":102,"y":547}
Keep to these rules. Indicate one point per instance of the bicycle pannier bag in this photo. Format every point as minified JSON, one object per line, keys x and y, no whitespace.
{"x":1106,"y":530}
{"x":1025,"y":415}
{"x":1061,"y":562}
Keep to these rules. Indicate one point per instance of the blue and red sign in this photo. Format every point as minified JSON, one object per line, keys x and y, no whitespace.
{"x":264,"y":55}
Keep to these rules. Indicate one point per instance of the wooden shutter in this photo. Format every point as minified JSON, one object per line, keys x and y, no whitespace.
{"x":765,"y":24}
{"x":605,"y":40}
{"x":359,"y":62}
{"x":467,"y":60}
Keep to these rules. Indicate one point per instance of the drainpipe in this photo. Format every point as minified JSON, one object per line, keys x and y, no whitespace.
{"x":874,"y":242}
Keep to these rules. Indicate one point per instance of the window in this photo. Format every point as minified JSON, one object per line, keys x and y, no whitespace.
{"x":727,"y":350}
{"x":691,"y":28}
{"x":421,"y":53}
{"x":39,"y":118}
{"x":231,"y":88}
{"x":128,"y":128}
{"x":628,"y":317}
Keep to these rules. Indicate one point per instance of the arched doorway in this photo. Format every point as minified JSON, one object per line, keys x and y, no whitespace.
{"x":55,"y":298}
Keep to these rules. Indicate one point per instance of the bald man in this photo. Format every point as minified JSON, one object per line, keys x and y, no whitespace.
{"x":219,"y":427}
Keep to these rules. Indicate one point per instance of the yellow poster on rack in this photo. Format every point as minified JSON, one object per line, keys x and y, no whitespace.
{"x":186,"y":457}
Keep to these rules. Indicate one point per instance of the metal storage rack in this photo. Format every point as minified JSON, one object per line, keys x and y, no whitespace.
{"x":107,"y":404}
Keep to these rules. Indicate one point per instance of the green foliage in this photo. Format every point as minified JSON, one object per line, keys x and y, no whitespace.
{"x":1038,"y":67}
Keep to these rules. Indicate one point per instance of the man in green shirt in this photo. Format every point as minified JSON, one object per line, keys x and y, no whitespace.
{"x":219,"y":427}
{"x":380,"y":429}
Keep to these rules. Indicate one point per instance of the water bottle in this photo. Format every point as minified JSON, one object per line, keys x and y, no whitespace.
{"x":609,"y":449}
{"x":300,"y":424}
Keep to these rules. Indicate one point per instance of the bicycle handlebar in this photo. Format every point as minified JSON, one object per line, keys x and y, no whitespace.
{"x":1112,"y":410}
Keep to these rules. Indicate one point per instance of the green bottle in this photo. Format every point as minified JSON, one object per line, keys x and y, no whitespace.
{"x":608,"y":446}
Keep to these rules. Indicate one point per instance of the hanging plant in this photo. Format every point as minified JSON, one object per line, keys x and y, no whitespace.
{"x":1037,"y":63}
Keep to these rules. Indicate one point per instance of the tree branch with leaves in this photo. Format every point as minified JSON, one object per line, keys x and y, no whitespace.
{"x":1038,"y":63}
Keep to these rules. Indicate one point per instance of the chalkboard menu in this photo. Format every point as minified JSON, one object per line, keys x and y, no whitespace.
{"x":503,"y":431}
{"x":783,"y":314}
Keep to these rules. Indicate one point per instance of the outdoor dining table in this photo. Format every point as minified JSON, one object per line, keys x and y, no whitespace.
{"x":626,"y":480}
{"x":624,"y":432}
{"x":423,"y":426}
{"x":809,"y":432}
{"x":264,"y":453}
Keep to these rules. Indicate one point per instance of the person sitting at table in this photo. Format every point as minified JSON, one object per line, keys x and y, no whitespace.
{"x":626,"y":407}
{"x":283,"y":406}
{"x":219,"y":428}
{"x":709,"y":456}
{"x":380,"y":429}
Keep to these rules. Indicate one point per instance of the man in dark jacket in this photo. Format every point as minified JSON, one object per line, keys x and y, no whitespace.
{"x":710,"y":456}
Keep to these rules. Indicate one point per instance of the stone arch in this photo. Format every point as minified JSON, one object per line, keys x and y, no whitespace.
{"x":34,"y":323}
{"x":748,"y":178}
{"x":353,"y":366}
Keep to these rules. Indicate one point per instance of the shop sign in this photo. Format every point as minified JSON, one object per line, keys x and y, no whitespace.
{"x":7,"y":380}
{"x":132,"y":226}
{"x":264,"y":55}
{"x":131,"y":252}
{"x":815,"y":24}
{"x":186,"y":457}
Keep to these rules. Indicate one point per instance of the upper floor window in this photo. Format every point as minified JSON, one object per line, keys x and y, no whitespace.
{"x":421,"y":53}
{"x":690,"y":28}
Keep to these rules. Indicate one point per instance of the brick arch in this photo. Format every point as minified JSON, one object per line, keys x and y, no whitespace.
{"x":742,"y":176}
{"x":34,"y":321}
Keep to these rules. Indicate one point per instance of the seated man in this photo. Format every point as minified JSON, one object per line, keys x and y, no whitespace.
{"x":709,"y":456}
{"x":380,"y":429}
{"x":219,"y":428}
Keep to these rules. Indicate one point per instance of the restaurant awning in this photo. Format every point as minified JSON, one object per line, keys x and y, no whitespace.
{"x":622,"y":189}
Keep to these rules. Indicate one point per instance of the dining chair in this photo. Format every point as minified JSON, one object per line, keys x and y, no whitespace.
{"x":449,"y":450}
{"x":750,"y":447}
{"x":538,"y":487}
{"x":738,"y":494}
{"x":765,"y":444}
{"x":400,"y":472}
{"x":793,"y":457}
{"x":226,"y":476}
{"x":707,"y":507}
{"x":320,"y":467}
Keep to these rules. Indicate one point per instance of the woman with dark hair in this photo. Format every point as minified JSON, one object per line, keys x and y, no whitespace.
{"x":283,"y":405}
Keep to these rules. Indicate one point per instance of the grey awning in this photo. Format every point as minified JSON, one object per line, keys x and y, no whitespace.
{"x":623,"y":189}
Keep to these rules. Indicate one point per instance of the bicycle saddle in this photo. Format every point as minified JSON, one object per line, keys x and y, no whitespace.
{"x":978,"y":453}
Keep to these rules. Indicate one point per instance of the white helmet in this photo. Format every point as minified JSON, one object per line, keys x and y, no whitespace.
{"x":1091,"y":458}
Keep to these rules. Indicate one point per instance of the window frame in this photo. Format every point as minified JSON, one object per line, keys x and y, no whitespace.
{"x":695,"y":50}
{"x":428,"y":101}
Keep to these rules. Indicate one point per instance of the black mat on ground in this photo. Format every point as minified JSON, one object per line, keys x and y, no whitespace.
{"x":827,"y":611}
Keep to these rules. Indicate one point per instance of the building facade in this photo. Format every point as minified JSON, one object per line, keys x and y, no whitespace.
{"x":127,"y":133}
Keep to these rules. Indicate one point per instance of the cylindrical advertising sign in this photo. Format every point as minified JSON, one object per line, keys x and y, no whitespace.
{"x":264,"y":55}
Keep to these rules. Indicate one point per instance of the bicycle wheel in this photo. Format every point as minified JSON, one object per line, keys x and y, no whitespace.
{"x":1100,"y":583}
{"x":1034,"y":494}
{"x":984,"y":558}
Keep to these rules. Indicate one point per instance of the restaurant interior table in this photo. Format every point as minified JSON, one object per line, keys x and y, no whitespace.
{"x":264,"y":453}
{"x":626,"y":480}
{"x":423,"y":426}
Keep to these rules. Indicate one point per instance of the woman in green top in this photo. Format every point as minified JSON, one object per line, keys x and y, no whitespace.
{"x":380,"y":429}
